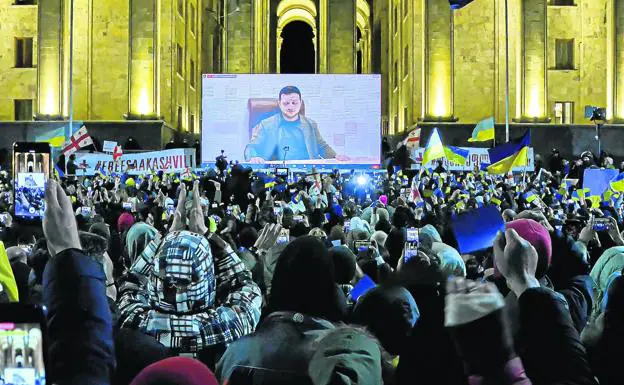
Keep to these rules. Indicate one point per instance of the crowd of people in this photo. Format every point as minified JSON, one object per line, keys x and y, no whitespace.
{"x":231,"y":276}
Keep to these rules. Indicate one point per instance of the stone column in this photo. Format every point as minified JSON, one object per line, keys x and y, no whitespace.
{"x":534,"y":60}
{"x":619,"y":60}
{"x":261,"y":27}
{"x":50,"y":42}
{"x":239,"y":38}
{"x":341,"y":21}
{"x":143,"y":60}
{"x":438,"y":52}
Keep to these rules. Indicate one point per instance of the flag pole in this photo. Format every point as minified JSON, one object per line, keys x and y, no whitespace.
{"x":506,"y":72}
{"x":71,"y":64}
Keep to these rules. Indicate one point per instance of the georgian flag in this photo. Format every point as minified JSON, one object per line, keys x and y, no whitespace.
{"x":413,"y":139}
{"x":80,"y":139}
{"x":187,"y":174}
{"x":117,"y":153}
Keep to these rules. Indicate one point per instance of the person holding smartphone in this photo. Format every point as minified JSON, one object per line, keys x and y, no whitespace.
{"x":75,"y":296}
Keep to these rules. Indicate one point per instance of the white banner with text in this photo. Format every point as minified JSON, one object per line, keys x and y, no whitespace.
{"x":176,"y":160}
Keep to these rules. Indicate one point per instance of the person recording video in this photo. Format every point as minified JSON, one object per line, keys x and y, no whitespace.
{"x":288,"y":135}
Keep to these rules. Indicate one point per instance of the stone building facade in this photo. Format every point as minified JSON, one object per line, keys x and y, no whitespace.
{"x":444,"y":65}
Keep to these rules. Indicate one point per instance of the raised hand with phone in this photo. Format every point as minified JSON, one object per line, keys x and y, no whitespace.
{"x":194,"y":214}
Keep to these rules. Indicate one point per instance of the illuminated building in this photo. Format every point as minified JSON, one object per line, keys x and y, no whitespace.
{"x":445,"y":65}
{"x":143,"y":61}
{"x":136,"y":60}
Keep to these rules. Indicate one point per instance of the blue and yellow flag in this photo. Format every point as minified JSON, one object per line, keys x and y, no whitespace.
{"x":484,"y":131}
{"x":456,"y":155}
{"x":530,"y":196}
{"x":580,"y":194}
{"x":58,"y":173}
{"x":269,"y":183}
{"x":617,"y":183}
{"x":55,"y":137}
{"x":512,"y":154}
{"x":434,"y":149}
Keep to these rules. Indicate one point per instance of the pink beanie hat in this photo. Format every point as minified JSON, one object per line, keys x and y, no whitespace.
{"x":176,"y":371}
{"x":538,"y":236}
{"x":125,"y":221}
{"x":384,"y":199}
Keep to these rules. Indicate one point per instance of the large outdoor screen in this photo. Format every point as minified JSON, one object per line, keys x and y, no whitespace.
{"x":299,"y":119}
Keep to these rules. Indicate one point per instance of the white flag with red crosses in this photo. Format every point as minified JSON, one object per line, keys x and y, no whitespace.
{"x":80,"y":139}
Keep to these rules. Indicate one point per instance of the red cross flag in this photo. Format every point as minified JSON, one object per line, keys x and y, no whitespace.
{"x":187,"y":175}
{"x":413,"y":139}
{"x":79,"y":140}
{"x":117,"y":153}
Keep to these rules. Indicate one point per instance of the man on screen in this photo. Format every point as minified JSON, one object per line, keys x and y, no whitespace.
{"x":288,"y":135}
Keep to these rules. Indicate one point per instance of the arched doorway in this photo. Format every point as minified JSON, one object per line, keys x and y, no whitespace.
{"x":297,"y":55}
{"x":297,"y":30}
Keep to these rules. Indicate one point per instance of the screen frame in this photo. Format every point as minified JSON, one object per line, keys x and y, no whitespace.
{"x":24,"y":147}
{"x":207,"y":156}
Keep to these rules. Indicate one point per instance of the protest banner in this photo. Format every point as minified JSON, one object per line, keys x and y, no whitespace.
{"x":476,"y":156}
{"x":176,"y":160}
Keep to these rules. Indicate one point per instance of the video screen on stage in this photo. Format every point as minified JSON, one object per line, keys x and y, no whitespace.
{"x":297,"y":119}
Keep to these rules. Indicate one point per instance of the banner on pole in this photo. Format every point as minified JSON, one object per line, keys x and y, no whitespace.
{"x":476,"y":156}
{"x":176,"y":160}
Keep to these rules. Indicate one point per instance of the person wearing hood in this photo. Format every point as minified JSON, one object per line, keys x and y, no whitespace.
{"x":389,"y":313}
{"x":171,"y":292}
{"x":604,"y":337}
{"x":611,"y":261}
{"x":451,"y":262}
{"x":346,"y":356}
{"x":137,"y":239}
{"x":303,"y":304}
{"x":189,"y":292}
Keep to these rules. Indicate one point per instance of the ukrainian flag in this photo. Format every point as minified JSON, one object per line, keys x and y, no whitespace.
{"x":530,"y":197}
{"x":580,"y":194}
{"x":617,"y":183}
{"x":434,"y":149}
{"x":456,"y":155}
{"x":55,"y":137}
{"x":58,"y":173}
{"x":512,"y":154}
{"x":269,"y":183}
{"x":595,"y":201}
{"x":484,"y":131}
